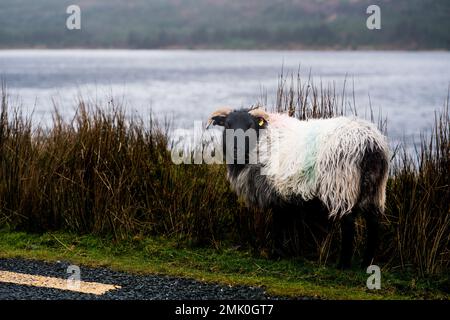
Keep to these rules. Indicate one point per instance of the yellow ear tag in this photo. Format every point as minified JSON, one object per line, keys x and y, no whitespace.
{"x":261,"y":122}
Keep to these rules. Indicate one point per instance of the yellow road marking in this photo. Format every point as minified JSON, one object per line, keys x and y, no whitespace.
{"x":55,"y":283}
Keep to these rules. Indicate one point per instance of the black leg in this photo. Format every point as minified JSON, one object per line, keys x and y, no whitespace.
{"x":372,"y":235}
{"x":278,"y":232}
{"x":348,"y":235}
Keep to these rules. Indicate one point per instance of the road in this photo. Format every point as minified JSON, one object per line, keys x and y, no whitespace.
{"x":37,"y":280}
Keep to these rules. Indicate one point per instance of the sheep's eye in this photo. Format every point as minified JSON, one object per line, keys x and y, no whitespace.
{"x":261,"y":122}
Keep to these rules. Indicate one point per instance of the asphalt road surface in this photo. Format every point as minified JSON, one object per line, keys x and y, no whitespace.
{"x":37,"y":280}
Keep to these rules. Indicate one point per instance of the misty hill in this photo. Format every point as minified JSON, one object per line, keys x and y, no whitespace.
{"x":408,"y":24}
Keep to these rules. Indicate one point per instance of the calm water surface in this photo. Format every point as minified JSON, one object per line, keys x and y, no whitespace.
{"x":188,"y":85}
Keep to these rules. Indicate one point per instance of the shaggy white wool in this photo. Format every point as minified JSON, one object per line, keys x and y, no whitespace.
{"x":320,"y":158}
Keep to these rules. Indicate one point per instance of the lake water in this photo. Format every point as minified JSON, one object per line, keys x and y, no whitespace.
{"x":187,"y":85}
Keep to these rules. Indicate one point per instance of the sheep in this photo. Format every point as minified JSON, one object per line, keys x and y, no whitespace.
{"x":341,"y":162}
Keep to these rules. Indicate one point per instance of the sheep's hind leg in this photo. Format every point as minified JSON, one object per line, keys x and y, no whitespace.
{"x":374,"y":167}
{"x":371,"y":215}
{"x":348,"y":236}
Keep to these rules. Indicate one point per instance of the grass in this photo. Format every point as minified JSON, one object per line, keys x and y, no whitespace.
{"x":226,"y":265}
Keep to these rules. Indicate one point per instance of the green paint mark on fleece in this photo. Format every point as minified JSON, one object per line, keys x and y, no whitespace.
{"x":309,"y":165}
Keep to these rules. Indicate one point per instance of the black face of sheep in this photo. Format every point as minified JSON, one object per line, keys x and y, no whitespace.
{"x":240,"y":137}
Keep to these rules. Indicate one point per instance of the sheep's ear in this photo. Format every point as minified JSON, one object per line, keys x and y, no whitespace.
{"x":263,"y":117}
{"x":218,"y":117}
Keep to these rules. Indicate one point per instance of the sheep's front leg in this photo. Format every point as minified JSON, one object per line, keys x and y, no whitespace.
{"x":348,"y":235}
{"x":278,"y":234}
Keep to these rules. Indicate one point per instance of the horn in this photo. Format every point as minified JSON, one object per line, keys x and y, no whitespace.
{"x":221,"y":112}
{"x":259,"y":113}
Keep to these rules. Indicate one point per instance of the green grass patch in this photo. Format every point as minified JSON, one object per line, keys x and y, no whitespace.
{"x":225,"y":265}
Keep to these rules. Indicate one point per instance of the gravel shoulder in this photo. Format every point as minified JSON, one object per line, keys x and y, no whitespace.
{"x":141,"y":287}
